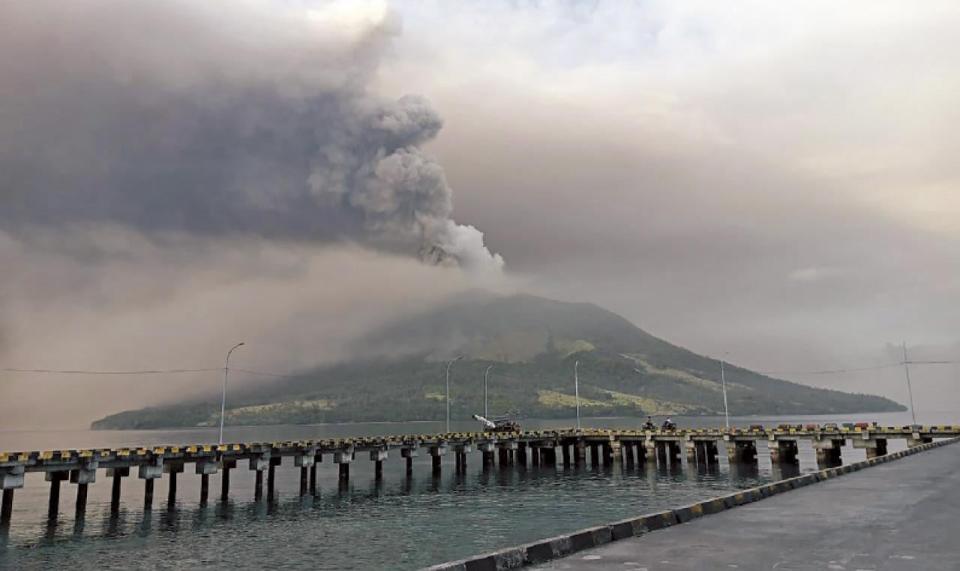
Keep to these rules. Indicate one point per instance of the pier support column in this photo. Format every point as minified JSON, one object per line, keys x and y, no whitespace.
{"x":875,"y":447}
{"x":378,"y":456}
{"x":226,"y":466}
{"x":783,"y":451}
{"x":259,"y":465}
{"x":615,"y":451}
{"x":828,"y":452}
{"x":522,"y":454}
{"x":710,"y":449}
{"x":502,"y":457}
{"x":11,"y":479}
{"x":149,"y":473}
{"x":744,"y":451}
{"x":409,"y":454}
{"x":343,"y":458}
{"x":173,"y":469}
{"x":436,"y":455}
{"x":629,"y":452}
{"x":565,"y":450}
{"x":117,"y":475}
{"x":305,"y":462}
{"x":317,"y":458}
{"x":6,"y":507}
{"x":673,"y":452}
{"x":916,"y":440}
{"x":535,"y":455}
{"x":83,"y":477}
{"x":650,"y":450}
{"x":579,"y":452}
{"x":594,"y":454}
{"x":53,"y":508}
{"x":690,"y":447}
{"x":204,"y":468}
{"x":272,"y":477}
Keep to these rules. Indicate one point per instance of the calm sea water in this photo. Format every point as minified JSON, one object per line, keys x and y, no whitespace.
{"x":400,"y":523}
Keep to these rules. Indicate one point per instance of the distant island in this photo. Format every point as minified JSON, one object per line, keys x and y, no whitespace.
{"x":532,"y":343}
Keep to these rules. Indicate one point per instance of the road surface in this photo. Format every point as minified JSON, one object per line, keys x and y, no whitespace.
{"x":902,"y":516}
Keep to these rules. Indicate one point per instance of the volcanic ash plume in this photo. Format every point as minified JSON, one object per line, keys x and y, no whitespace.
{"x":193,"y":117}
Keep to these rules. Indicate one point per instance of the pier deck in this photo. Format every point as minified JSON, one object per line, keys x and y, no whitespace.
{"x":509,"y":450}
{"x":898,"y":516}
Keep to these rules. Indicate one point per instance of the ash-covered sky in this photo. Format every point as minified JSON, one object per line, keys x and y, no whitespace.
{"x":773,"y":181}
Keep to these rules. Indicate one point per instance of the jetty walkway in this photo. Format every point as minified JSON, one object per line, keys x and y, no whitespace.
{"x":900,"y":516}
{"x":511,"y":450}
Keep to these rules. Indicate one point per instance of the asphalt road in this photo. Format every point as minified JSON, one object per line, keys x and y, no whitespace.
{"x":902,"y":516}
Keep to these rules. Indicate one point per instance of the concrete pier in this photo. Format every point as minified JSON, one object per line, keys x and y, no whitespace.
{"x":542,"y":447}
{"x":226,"y":466}
{"x":829,"y":451}
{"x":742,"y":451}
{"x":783,"y":451}
{"x":53,"y":506}
{"x":116,"y":475}
{"x":897,"y":516}
{"x":6,"y":506}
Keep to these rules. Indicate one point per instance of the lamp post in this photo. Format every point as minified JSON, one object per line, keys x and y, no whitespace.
{"x":485,"y":375}
{"x":906,"y":370}
{"x":723,"y":383}
{"x":449,"y":364}
{"x":576,"y":389}
{"x":223,"y":398}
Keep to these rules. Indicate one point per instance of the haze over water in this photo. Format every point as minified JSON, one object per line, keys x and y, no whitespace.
{"x":400,"y":523}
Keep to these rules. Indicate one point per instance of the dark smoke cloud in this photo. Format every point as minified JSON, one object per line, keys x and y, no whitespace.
{"x":250,"y":118}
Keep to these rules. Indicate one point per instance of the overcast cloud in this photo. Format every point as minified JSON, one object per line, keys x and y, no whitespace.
{"x":775,"y":181}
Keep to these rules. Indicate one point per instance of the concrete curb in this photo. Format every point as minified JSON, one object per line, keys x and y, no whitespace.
{"x":563,"y":545}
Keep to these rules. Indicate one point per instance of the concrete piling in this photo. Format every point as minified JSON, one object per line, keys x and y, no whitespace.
{"x":313,"y":476}
{"x":116,"y":475}
{"x":173,"y":469}
{"x":436,"y":455}
{"x":783,"y":451}
{"x":148,"y":495}
{"x":55,"y":478}
{"x":148,"y":473}
{"x":81,"y":510}
{"x":828,"y":451}
{"x":378,"y":456}
{"x":83,"y":477}
{"x":743,"y":451}
{"x":579,"y":452}
{"x":226,"y":465}
{"x":205,"y":468}
{"x":343,"y":458}
{"x":258,"y":486}
{"x":6,"y":507}
{"x":522,"y":454}
{"x":272,"y":477}
{"x":874,"y":447}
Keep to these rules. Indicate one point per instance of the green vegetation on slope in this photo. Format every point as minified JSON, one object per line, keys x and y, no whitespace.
{"x":623,"y":371}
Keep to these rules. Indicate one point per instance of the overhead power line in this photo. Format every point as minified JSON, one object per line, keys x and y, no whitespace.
{"x":82,"y":372}
{"x":832,"y":371}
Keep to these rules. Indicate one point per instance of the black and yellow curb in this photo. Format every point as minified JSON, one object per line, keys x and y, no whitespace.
{"x":563,"y":545}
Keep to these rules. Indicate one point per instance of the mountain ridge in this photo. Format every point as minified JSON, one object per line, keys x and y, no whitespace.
{"x":531,"y":343}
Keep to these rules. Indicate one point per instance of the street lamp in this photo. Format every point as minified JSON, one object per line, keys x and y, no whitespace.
{"x":449,"y":364}
{"x":223,"y":398}
{"x":906,"y":369}
{"x":485,"y":375}
{"x":576,"y":389}
{"x":723,"y":383}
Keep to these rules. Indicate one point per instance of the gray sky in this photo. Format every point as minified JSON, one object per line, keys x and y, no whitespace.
{"x":775,"y":181}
